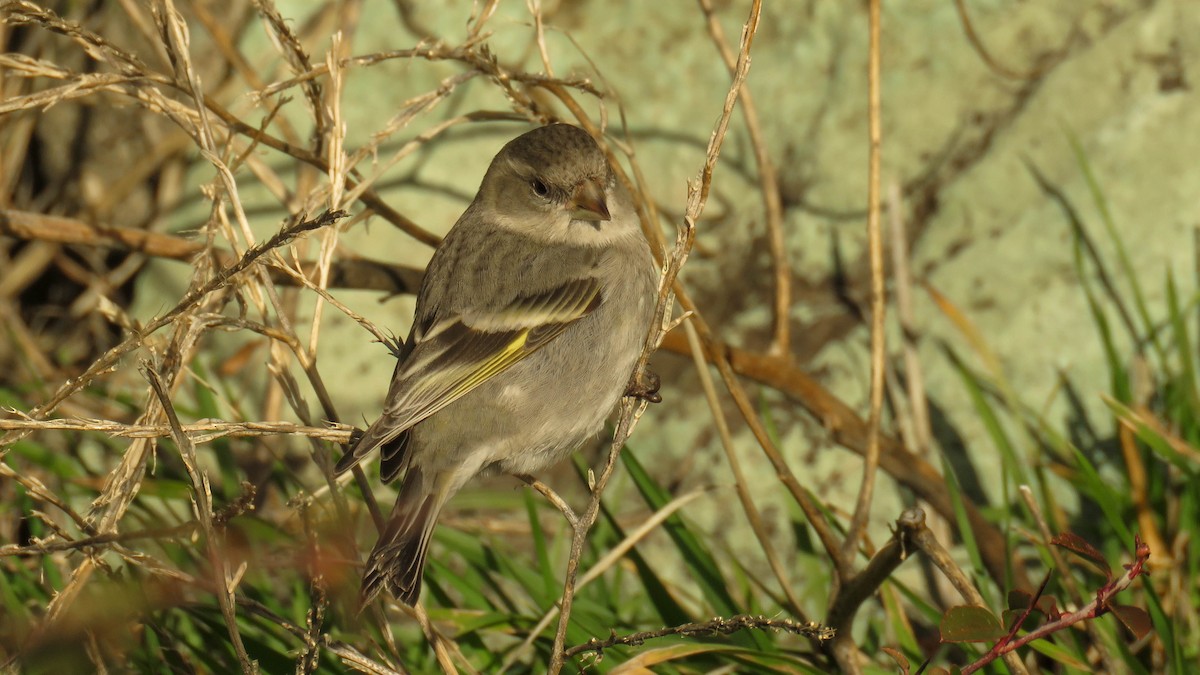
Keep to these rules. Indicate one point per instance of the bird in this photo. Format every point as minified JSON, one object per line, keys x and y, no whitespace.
{"x":531,"y":316}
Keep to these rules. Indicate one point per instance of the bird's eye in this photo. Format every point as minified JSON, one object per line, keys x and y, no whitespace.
{"x":539,"y":187}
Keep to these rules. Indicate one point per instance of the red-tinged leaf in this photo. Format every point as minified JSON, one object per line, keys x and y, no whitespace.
{"x":1049,"y":606}
{"x":969,"y":623}
{"x":1009,"y":616}
{"x":897,"y":656}
{"x":1076,"y":544}
{"x":1019,"y":600}
{"x":1135,"y":619}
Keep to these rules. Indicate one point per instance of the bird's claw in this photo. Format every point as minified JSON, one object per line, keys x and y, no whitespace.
{"x":645,"y":385}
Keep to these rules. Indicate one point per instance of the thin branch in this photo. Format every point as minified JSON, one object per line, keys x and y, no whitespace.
{"x":739,"y":479}
{"x":1063,"y":566}
{"x":190,"y":299}
{"x":202,"y":504}
{"x":982,"y":50}
{"x":853,"y":592}
{"x":1097,"y":607}
{"x":38,"y":490}
{"x":866,"y":491}
{"x":552,"y":497}
{"x":232,"y":510}
{"x":539,"y":30}
{"x":45,"y":227}
{"x":716,"y":626}
{"x":921,"y":441}
{"x":610,"y":558}
{"x":199,"y":432}
{"x":768,"y":181}
{"x":924,"y":540}
{"x":349,"y":271}
{"x":630,"y":411}
{"x":697,"y":198}
{"x":721,"y":356}
{"x":849,"y":430}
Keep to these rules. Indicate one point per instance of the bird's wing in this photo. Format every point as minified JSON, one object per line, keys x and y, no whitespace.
{"x":456,"y":354}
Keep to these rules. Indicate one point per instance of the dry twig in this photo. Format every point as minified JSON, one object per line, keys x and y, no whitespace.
{"x":866,"y":490}
{"x":716,"y":626}
{"x":630,"y":411}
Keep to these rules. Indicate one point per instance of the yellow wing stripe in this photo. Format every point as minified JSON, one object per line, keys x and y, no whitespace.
{"x":507,"y":357}
{"x":421,"y":395}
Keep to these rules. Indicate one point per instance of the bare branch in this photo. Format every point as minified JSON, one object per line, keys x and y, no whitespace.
{"x":716,"y":626}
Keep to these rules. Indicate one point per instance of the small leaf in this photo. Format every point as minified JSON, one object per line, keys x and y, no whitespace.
{"x":899,"y":657}
{"x":1135,"y":619}
{"x":1049,"y":606}
{"x":1019,"y":600}
{"x":1010,"y":616}
{"x":969,"y":623}
{"x":1076,"y":544}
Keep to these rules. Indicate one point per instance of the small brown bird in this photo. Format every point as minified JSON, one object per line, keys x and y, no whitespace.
{"x":532,"y":314}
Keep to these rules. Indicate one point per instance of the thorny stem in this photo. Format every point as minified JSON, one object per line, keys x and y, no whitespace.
{"x":1097,"y":607}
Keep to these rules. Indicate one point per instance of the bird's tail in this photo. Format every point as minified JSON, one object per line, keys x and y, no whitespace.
{"x":398,"y":559}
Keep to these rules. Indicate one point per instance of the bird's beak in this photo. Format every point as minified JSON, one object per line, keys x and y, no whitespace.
{"x":588,"y":202}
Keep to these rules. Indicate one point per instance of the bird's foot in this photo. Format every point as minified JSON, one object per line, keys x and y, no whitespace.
{"x":645,"y":385}
{"x":395,"y":345}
